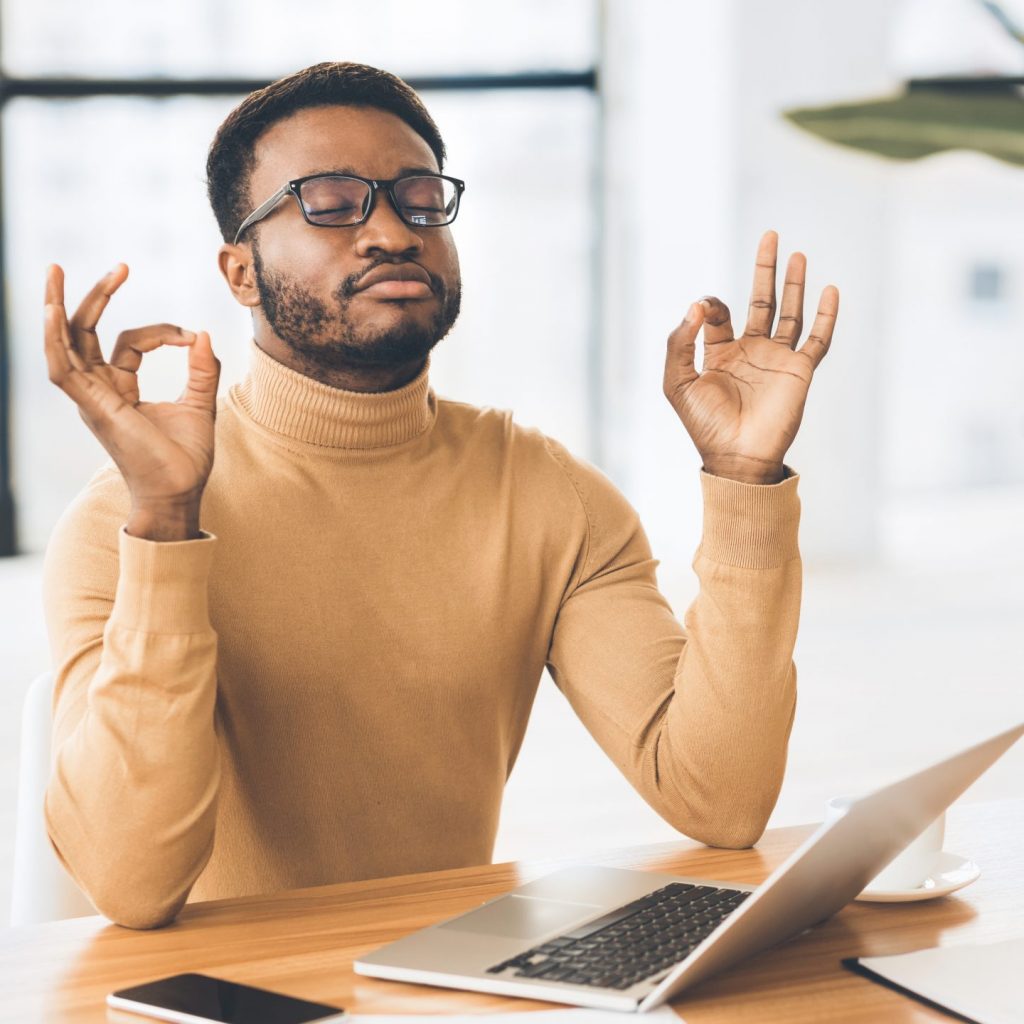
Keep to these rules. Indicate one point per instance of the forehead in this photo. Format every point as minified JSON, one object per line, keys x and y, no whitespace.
{"x":366,"y":141}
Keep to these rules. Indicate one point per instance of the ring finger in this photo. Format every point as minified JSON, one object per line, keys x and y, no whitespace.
{"x":87,"y":316}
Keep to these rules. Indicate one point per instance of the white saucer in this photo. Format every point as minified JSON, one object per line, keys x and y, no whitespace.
{"x":951,"y":873}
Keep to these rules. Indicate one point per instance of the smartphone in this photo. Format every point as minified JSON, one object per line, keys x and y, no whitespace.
{"x":200,"y":999}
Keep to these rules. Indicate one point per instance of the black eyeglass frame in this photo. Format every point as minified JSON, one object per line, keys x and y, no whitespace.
{"x":376,"y":185}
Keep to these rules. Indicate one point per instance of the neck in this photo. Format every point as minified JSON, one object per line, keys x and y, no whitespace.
{"x":347,"y":378}
{"x":302,"y":410}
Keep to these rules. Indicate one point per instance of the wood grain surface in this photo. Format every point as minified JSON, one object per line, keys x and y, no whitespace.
{"x":303,"y":942}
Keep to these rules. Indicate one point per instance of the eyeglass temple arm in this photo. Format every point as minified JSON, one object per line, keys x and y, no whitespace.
{"x":262,"y":210}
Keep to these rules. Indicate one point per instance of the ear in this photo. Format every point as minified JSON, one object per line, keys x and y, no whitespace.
{"x":236,"y":264}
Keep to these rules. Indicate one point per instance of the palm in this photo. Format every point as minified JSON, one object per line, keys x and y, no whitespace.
{"x":744,"y":407}
{"x":163,"y":449}
{"x":749,"y":390}
{"x":173,"y":439}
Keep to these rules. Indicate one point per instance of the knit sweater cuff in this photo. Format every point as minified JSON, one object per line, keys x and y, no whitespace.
{"x":751,"y":526}
{"x":162,"y":586}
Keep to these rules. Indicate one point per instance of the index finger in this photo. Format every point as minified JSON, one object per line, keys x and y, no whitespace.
{"x":761,"y":314}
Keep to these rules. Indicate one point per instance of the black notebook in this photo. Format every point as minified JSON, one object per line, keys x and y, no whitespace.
{"x":983,"y":983}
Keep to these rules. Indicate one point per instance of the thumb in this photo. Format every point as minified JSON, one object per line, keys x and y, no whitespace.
{"x":680,"y":370}
{"x":203,"y":375}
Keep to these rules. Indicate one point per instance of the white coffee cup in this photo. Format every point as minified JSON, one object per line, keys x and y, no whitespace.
{"x":908,"y":869}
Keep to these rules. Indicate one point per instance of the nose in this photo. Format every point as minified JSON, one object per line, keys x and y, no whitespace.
{"x":385,"y":233}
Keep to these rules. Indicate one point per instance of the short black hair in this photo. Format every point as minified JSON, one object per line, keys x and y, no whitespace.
{"x":230,"y":162}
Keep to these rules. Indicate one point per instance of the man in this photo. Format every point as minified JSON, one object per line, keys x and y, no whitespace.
{"x":327,"y":674}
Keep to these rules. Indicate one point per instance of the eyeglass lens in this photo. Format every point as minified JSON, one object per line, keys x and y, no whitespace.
{"x":337,"y":200}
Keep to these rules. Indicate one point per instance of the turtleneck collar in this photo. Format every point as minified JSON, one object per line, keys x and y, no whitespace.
{"x":303,"y":409}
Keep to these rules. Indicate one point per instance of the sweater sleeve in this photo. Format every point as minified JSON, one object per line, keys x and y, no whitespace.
{"x":131,"y":803}
{"x":697,"y":717}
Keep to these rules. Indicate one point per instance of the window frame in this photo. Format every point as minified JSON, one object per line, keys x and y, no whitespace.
{"x":49,"y":87}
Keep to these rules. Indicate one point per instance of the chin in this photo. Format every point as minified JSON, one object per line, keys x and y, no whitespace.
{"x":390,"y":348}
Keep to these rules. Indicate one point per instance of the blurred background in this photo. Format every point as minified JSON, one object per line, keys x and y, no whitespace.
{"x":622,"y":159}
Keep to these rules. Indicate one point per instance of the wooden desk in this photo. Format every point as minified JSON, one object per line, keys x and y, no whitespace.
{"x":303,"y":942}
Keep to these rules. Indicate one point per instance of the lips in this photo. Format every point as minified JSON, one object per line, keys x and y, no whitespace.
{"x":396,"y":280}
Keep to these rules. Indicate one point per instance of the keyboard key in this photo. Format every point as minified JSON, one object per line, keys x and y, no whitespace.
{"x":644,"y":939}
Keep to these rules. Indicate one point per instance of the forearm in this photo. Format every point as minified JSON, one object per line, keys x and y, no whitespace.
{"x":718,"y":751}
{"x":722,"y":744}
{"x":131,"y":803}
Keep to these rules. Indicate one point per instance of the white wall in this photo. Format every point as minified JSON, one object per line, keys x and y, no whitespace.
{"x":670,"y":223}
{"x":960,"y":355}
{"x":831,"y":204}
{"x":695,"y":139}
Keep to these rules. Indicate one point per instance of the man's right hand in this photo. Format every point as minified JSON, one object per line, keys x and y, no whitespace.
{"x":163,"y":449}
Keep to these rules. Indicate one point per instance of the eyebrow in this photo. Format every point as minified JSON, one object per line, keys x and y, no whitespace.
{"x":352,"y":172}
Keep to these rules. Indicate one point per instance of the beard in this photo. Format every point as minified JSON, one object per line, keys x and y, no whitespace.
{"x":327,"y":337}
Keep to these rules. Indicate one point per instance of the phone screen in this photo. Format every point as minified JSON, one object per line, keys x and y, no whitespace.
{"x":199,"y":996}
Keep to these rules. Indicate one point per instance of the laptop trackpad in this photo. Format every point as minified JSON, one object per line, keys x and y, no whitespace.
{"x":519,"y":917}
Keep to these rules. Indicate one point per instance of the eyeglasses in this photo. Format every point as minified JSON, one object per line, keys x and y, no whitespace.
{"x":344,"y":200}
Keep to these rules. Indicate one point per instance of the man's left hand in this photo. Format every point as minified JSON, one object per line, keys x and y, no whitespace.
{"x":744,"y":407}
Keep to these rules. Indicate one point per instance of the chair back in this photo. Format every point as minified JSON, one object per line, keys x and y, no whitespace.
{"x":43,"y":890}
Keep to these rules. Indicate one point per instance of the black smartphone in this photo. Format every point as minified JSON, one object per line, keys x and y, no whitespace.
{"x":200,"y":999}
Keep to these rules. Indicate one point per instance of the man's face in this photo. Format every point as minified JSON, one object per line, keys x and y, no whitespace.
{"x":310,"y":279}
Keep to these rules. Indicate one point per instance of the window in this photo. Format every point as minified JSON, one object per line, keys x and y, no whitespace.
{"x":99,"y":178}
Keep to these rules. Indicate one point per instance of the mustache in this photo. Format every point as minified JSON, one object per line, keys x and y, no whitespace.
{"x":350,"y":285}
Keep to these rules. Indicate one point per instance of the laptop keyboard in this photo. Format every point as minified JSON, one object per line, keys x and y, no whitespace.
{"x":634,"y":942}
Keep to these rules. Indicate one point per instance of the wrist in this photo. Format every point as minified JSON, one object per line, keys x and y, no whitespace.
{"x":745,"y":470}
{"x":164,"y":522}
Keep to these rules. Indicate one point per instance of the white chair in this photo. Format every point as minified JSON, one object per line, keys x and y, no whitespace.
{"x":43,"y":890}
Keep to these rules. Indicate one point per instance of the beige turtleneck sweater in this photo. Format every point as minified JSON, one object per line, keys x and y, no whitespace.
{"x":334,"y":684}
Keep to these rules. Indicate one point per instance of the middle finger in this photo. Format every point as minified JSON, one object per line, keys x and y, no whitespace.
{"x":761,"y":313}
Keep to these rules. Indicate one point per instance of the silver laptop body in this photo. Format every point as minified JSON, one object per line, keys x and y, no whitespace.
{"x":822,"y":876}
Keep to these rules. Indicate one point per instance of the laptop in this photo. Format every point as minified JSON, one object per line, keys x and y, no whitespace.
{"x":615,"y":939}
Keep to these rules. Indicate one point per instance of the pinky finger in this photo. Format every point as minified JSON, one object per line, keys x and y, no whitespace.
{"x":818,"y":341}
{"x":58,"y":362}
